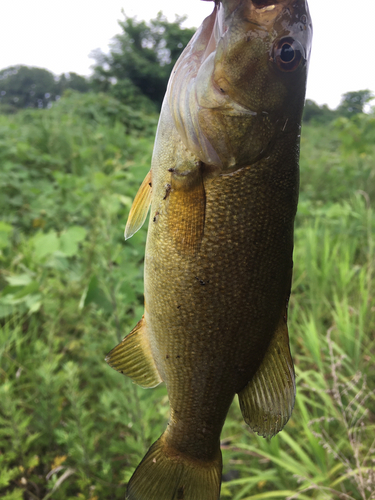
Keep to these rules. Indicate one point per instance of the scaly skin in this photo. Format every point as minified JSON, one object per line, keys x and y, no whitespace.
{"x":210,"y":315}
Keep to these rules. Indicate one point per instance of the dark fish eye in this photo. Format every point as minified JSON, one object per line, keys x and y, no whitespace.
{"x":288,"y":54}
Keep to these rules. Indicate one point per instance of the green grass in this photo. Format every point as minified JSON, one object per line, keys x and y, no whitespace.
{"x":71,"y":288}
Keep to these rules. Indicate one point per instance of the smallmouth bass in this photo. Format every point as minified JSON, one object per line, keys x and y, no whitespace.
{"x":223,"y":190}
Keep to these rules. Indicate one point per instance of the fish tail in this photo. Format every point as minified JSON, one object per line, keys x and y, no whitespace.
{"x":166,"y":474}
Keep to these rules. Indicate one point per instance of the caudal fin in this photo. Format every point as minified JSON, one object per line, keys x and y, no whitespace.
{"x":164,"y":474}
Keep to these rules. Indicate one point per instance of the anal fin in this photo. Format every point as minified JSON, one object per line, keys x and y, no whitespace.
{"x":133,"y":358}
{"x":267,"y":400}
{"x":139,"y":209}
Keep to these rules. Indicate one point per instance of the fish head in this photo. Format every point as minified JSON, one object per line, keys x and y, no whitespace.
{"x":262,"y":56}
{"x":241,"y":81}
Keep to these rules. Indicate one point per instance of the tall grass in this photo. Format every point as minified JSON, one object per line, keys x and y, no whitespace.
{"x":70,"y":289}
{"x":327,"y":450}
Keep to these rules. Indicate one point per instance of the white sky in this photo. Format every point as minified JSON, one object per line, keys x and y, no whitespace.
{"x":59,"y":36}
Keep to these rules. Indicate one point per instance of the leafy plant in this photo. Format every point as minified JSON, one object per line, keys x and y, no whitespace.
{"x":71,"y":289}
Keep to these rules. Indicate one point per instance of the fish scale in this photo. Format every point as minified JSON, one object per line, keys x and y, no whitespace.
{"x":223,"y":190}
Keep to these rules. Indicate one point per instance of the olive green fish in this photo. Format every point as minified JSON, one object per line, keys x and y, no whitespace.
{"x":223,"y":190}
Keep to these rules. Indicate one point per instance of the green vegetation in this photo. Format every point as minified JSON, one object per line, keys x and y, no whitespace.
{"x":141,"y":59}
{"x":30,"y":87}
{"x":352,"y":103}
{"x":71,"y":288}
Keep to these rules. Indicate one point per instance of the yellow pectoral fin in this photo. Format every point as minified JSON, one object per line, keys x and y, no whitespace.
{"x":139,"y":210}
{"x":267,"y":400}
{"x":133,"y":358}
{"x":186,"y":210}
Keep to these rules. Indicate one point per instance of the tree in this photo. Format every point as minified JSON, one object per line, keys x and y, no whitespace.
{"x":72,"y":81}
{"x":353,"y":103}
{"x":31,"y":87}
{"x":26,"y":87}
{"x":141,"y":58}
{"x":321,"y":114}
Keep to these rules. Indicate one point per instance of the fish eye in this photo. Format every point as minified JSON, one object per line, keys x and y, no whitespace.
{"x":288,"y":54}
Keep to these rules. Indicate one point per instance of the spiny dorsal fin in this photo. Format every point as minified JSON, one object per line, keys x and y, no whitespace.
{"x":139,"y":209}
{"x":268,"y":399}
{"x":133,"y":358}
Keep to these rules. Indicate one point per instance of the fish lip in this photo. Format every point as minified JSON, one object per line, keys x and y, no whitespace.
{"x":266,"y":8}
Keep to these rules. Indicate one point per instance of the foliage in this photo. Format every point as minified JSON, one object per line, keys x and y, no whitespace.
{"x":23,"y":87}
{"x":357,"y":135}
{"x":319,"y":114}
{"x":71,"y":81}
{"x":353,"y":103}
{"x":31,"y":87}
{"x":141,"y":58}
{"x":342,"y":157}
{"x":71,"y":288}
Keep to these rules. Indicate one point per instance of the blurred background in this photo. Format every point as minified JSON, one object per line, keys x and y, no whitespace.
{"x":81,"y":86}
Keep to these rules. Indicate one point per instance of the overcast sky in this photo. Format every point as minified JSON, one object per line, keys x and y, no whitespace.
{"x":60,"y":36}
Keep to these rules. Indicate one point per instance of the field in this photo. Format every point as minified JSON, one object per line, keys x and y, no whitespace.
{"x":71,"y":289}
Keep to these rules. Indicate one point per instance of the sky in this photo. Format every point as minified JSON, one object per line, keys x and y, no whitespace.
{"x":60,"y":36}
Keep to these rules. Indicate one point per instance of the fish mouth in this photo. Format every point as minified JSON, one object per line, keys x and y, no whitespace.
{"x":263,"y":12}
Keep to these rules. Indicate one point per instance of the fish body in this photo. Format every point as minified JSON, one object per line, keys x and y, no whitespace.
{"x":223,"y":189}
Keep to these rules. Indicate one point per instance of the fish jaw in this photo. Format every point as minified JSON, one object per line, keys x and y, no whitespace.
{"x":250,"y":79}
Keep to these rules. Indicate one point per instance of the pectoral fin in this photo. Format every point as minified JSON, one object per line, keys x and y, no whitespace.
{"x":133,"y":358}
{"x":186,"y":208}
{"x":139,"y":209}
{"x":267,"y":400}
